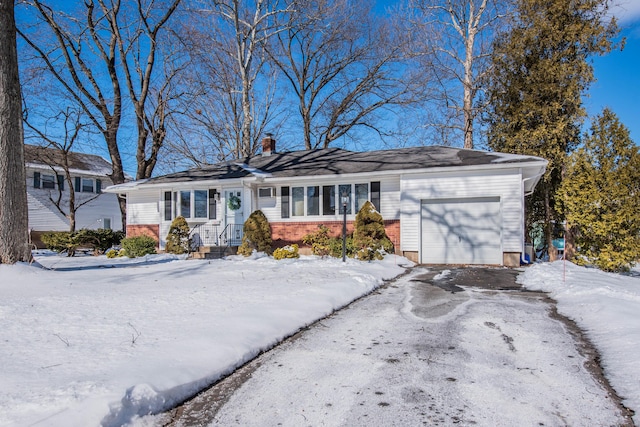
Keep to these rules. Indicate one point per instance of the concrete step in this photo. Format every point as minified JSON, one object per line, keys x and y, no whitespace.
{"x":213,"y":252}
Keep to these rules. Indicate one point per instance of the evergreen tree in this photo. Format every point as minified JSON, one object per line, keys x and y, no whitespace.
{"x":178,"y":241}
{"x":256,"y":234}
{"x":369,"y":236}
{"x":601,"y":195}
{"x":540,"y":72}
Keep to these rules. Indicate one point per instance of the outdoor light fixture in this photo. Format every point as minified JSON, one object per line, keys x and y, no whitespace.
{"x":345,"y":201}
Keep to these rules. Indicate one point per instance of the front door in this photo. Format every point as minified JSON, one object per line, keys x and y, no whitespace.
{"x":234,"y":216}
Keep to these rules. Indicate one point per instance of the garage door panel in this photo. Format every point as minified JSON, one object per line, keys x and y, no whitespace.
{"x":461,"y":231}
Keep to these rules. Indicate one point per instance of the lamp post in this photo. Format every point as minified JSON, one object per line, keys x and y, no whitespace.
{"x":345,"y":201}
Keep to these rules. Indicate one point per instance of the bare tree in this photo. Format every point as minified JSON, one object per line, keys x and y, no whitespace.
{"x":14,"y":235}
{"x":59,"y":160}
{"x":343,"y":65}
{"x":89,"y":51}
{"x":455,"y":38}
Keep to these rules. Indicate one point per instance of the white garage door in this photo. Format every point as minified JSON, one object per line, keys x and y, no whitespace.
{"x":461,"y":231}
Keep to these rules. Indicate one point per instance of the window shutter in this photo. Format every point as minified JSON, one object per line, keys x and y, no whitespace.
{"x":98,"y":186}
{"x":167,"y":205}
{"x":375,"y":195}
{"x":284,"y":203}
{"x":78,"y":186}
{"x":36,"y":180}
{"x":213,"y":205}
{"x":60,"y":182}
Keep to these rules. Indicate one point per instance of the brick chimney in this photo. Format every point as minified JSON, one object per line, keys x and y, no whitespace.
{"x":268,"y":145}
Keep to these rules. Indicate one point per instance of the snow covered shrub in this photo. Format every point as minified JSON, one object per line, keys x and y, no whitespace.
{"x":59,"y":241}
{"x":178,"y":241}
{"x":335,"y":246}
{"x":139,"y":246}
{"x":369,"y":236}
{"x":289,"y":251}
{"x":319,"y":241}
{"x":256,"y":234}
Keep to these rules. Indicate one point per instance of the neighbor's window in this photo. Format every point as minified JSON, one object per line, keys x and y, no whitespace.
{"x":297,"y":197}
{"x":106,"y":223}
{"x":313,"y":200}
{"x":36,"y":180}
{"x":48,"y":181}
{"x":60,"y":179}
{"x":87,"y":185}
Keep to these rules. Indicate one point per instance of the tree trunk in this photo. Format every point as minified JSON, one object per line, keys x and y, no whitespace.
{"x":14,"y":223}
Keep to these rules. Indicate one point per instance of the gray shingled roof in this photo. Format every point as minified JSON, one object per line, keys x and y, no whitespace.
{"x":335,"y":161}
{"x":89,"y":163}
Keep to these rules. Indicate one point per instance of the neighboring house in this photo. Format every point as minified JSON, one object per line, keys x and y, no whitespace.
{"x":441,"y":205}
{"x":47,"y":187}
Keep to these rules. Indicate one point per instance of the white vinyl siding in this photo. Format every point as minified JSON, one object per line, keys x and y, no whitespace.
{"x":424,"y":187}
{"x":142,"y":207}
{"x":45,"y":216}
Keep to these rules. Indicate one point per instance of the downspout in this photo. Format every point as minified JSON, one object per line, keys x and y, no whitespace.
{"x":536,"y":177}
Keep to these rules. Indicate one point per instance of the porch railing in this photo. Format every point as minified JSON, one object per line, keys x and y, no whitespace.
{"x":215,"y":235}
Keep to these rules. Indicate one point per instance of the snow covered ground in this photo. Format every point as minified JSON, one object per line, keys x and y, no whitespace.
{"x":93,"y":340}
{"x":606,"y":306}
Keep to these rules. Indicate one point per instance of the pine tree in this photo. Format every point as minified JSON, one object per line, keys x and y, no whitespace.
{"x":178,"y":237}
{"x":540,"y":72}
{"x":256,"y":234}
{"x":601,"y":195}
{"x":369,"y":236}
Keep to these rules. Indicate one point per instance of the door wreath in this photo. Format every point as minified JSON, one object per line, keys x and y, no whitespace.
{"x":234,"y":202}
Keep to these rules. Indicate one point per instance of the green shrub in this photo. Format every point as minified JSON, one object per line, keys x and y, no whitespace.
{"x":256,"y":234}
{"x":178,"y":241}
{"x":99,"y":240}
{"x":139,"y":246}
{"x":59,"y":241}
{"x":319,"y":241}
{"x":335,"y":246}
{"x":289,"y":251}
{"x":369,"y":236}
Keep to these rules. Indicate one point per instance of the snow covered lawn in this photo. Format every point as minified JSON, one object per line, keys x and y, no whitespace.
{"x":95,"y":340}
{"x":606,"y":306}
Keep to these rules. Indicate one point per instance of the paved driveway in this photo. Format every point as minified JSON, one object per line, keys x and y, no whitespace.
{"x":464,"y":346}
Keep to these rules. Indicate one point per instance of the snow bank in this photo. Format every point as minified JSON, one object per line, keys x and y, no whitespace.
{"x":607,"y":307}
{"x":91,"y":340}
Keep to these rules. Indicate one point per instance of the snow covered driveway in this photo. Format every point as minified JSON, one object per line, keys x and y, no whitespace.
{"x":416,"y":354}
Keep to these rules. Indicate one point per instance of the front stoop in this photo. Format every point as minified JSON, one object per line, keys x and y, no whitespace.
{"x":213,"y":252}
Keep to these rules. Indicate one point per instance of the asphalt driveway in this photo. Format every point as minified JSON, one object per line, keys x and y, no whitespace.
{"x":438,"y":346}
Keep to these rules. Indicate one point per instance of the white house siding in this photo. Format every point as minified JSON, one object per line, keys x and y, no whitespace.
{"x":45,"y":216}
{"x":503,"y":184}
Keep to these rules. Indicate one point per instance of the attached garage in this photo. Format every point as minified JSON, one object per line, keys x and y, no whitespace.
{"x":461,"y":231}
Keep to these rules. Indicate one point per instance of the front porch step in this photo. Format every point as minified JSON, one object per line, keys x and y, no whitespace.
{"x":214,"y":252}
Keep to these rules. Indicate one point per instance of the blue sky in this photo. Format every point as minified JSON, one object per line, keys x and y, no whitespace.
{"x":618,"y":73}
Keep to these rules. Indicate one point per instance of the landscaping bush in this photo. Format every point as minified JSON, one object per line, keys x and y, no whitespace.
{"x":319,"y":241}
{"x":98,"y":240}
{"x":289,"y":251}
{"x":256,"y":234}
{"x":335,"y":246}
{"x":138,"y":246}
{"x":369,"y":237}
{"x":178,"y":241}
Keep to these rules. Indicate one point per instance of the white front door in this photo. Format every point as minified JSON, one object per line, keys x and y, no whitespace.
{"x":234,"y":215}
